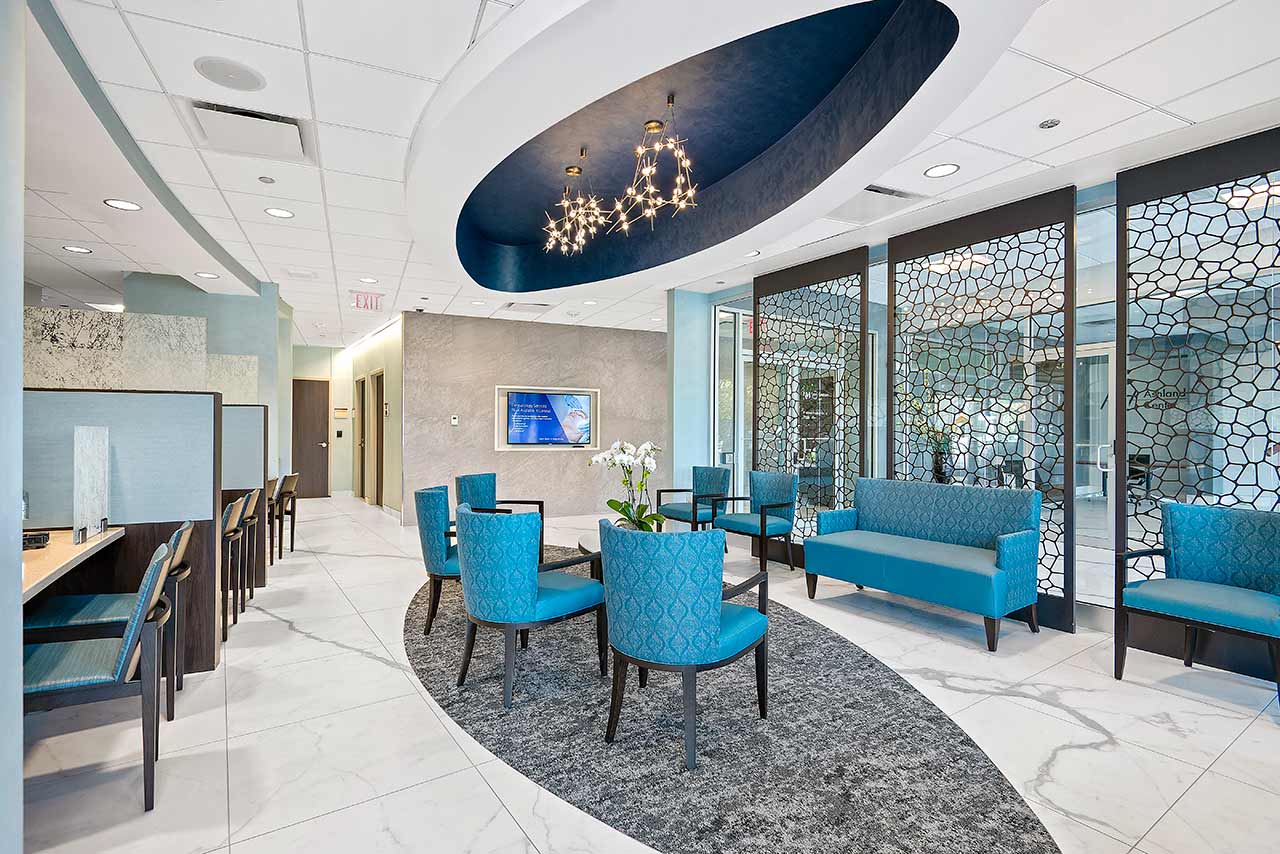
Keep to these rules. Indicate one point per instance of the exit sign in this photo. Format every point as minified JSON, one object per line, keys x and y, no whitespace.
{"x":366,"y":301}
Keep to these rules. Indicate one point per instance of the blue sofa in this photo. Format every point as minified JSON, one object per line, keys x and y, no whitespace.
{"x":1221,"y":574}
{"x":968,"y":547}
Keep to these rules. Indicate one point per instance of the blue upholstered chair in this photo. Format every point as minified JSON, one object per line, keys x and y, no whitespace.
{"x":668,"y":610}
{"x":106,"y":615}
{"x":73,"y":673}
{"x":230,"y":533}
{"x":438,"y":555}
{"x":773,"y":512}
{"x":504,"y":587}
{"x":480,"y":492}
{"x":1222,"y":574}
{"x":708,"y":482}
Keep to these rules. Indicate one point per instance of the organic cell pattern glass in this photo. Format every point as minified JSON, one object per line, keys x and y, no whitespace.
{"x":978,"y":374}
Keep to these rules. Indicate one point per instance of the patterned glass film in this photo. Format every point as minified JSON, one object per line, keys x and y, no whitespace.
{"x":1203,"y":407}
{"x":809,"y":385}
{"x":979,"y":349}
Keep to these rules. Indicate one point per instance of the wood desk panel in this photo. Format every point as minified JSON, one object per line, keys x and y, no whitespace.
{"x":42,"y":567}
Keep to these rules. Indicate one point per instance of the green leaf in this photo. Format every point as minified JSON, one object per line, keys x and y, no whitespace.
{"x":643,"y":525}
{"x":615,"y":505}
{"x":655,"y":518}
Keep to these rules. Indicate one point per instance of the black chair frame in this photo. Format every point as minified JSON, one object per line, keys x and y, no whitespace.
{"x":698,"y":498}
{"x":230,"y":580}
{"x":287,"y":506}
{"x":761,"y":540}
{"x":689,"y":674}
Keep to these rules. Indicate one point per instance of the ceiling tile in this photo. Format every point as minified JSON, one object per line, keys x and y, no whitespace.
{"x":974,"y":161}
{"x":362,"y":152}
{"x":286,"y":255}
{"x":1139,"y":127}
{"x":251,"y":208}
{"x":202,"y":201}
{"x":422,"y":38}
{"x":427,"y":303}
{"x":106,"y":44}
{"x":264,"y":20}
{"x":177,"y":164}
{"x":428,"y":286}
{"x":1082,"y":34}
{"x":419,"y":270}
{"x":299,"y":273}
{"x":355,"y":266}
{"x":56,"y":228}
{"x":148,"y":115}
{"x":261,"y":233}
{"x":819,"y":229}
{"x":53,"y":247}
{"x":925,"y":144}
{"x":368,"y":98}
{"x":1079,"y":105}
{"x":357,"y":191}
{"x":493,"y":12}
{"x":36,"y":205}
{"x":1021,"y":169}
{"x":1235,"y":39}
{"x":1243,"y":90}
{"x":240,"y":174}
{"x":1013,"y":80}
{"x":370,"y":223}
{"x":470,"y":306}
{"x":221,"y":229}
{"x":370,"y":247}
{"x":174,"y":48}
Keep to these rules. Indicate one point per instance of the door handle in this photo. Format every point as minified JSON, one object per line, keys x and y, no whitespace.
{"x":323,"y":444}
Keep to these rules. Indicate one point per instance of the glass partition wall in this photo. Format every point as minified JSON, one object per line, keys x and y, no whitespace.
{"x":734,"y":373}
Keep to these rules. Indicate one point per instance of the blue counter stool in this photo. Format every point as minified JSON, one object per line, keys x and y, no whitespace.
{"x":270,"y":494}
{"x":708,"y":482}
{"x":249,"y":524}
{"x":230,"y":537}
{"x":773,"y":512}
{"x":438,"y":555}
{"x":505,"y":588}
{"x":480,"y":492}
{"x":668,"y":610}
{"x":73,"y":673}
{"x":287,"y":507}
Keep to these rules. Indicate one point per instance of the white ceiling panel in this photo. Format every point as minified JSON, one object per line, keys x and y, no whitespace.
{"x":369,"y":223}
{"x":265,"y":20}
{"x":362,"y":152}
{"x":974,"y":161}
{"x":362,"y":97}
{"x":357,"y":191}
{"x":106,"y":44}
{"x":1080,"y":106}
{"x":53,"y":246}
{"x":286,"y":255}
{"x":148,"y":115}
{"x":299,"y":273}
{"x":493,"y":12}
{"x":202,"y":201}
{"x":177,"y":164}
{"x":428,"y":286}
{"x":1139,"y":127}
{"x":370,"y":247}
{"x":241,"y":174}
{"x":36,"y":205}
{"x":429,"y":304}
{"x":421,"y":38}
{"x":420,"y":270}
{"x":1021,"y":169}
{"x":261,"y":233}
{"x":1013,"y":80}
{"x":355,"y":266}
{"x":1243,"y":90}
{"x":174,"y":48}
{"x":1239,"y":37}
{"x":1082,"y":34}
{"x":470,"y":306}
{"x":57,"y":228}
{"x":221,"y":228}
{"x":251,"y":208}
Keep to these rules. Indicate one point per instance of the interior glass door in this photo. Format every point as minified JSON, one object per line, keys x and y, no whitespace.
{"x":1094,"y":461}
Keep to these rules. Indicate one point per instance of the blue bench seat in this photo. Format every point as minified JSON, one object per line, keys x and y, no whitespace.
{"x":1207,"y":602}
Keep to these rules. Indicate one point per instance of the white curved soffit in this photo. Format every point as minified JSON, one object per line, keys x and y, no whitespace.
{"x":544,"y":61}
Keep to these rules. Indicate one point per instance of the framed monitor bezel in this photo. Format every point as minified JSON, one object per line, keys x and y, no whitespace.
{"x":500,"y":413}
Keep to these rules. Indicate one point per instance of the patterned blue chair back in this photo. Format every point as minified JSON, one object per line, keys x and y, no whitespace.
{"x":774,"y":487}
{"x":477,"y":490}
{"x":498,"y":561}
{"x":177,"y":544}
{"x":662,"y":593}
{"x":248,"y":507}
{"x":231,"y":515}
{"x":1223,"y":545}
{"x":432,"y":505}
{"x":710,"y":480}
{"x":148,"y":594}
{"x":944,"y":513}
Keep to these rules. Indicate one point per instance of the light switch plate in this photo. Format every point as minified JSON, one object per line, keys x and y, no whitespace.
{"x":453,"y":421}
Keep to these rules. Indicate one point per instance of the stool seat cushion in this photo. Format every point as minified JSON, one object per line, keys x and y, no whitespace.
{"x":740,"y":627}
{"x":749,"y":523}
{"x":89,"y":609}
{"x":682,"y":511}
{"x":1208,"y":602}
{"x":561,"y":593}
{"x":73,"y":664}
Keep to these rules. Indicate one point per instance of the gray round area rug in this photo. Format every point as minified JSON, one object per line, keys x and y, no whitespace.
{"x":851,"y":758}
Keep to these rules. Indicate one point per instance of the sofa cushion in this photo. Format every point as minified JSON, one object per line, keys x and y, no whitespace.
{"x":961,"y":577}
{"x":1206,"y":602}
{"x":749,"y":523}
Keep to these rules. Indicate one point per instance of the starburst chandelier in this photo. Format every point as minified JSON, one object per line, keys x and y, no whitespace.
{"x":644,"y":197}
{"x":581,"y":215}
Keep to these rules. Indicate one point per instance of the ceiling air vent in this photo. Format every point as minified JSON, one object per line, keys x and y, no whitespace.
{"x":526,"y":307}
{"x":238,"y":131}
{"x":875,"y":203}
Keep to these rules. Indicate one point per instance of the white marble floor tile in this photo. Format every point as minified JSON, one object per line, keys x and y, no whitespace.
{"x":1076,"y":838}
{"x":475,"y":751}
{"x":1217,"y":816}
{"x":1254,"y":757}
{"x":388,"y":594}
{"x":263,"y":643}
{"x":299,"y":771}
{"x":297,"y":598}
{"x":458,"y":814}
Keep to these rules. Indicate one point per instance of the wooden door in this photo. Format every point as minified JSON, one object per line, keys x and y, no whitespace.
{"x":360,"y":438}
{"x":311,"y":437}
{"x":379,"y":420}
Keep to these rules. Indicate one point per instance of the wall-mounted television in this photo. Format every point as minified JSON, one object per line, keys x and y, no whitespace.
{"x":546,"y":417}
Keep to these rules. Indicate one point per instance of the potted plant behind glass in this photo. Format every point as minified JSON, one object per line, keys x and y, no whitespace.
{"x":934,"y":429}
{"x":636,"y":464}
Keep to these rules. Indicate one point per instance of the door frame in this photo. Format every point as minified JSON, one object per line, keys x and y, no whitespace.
{"x":378,"y":379}
{"x":359,"y":437}
{"x":328,"y":427}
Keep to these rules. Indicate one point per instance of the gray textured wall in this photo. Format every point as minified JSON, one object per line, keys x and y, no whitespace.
{"x":453,"y":364}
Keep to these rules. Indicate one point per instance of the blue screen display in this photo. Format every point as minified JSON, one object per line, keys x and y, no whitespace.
{"x":544,"y":418}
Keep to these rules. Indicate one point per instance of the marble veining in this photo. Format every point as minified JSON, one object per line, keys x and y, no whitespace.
{"x":70,"y":327}
{"x":164,"y":333}
{"x":91,"y":496}
{"x":236,"y":377}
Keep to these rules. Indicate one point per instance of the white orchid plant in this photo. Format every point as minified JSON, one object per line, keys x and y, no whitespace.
{"x":635,"y":464}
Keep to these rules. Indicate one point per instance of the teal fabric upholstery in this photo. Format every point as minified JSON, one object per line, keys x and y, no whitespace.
{"x":477,"y":490}
{"x":769,"y":487}
{"x":244,"y":508}
{"x":682,"y":511}
{"x":561,"y":593}
{"x":711,"y":480}
{"x":226,"y":515}
{"x":663,"y":597}
{"x":749,"y":523}
{"x":1223,"y":545}
{"x":73,"y":664}
{"x":148,"y":594}
{"x":971,"y":548}
{"x":1208,"y":602}
{"x":438,"y":554}
{"x":85,"y":609}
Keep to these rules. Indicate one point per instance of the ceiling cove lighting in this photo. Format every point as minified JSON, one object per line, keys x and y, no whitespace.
{"x":203,"y":275}
{"x":122,"y":204}
{"x":112,"y":308}
{"x":644,"y":197}
{"x":278,"y":213}
{"x":589,"y":302}
{"x":77,"y":250}
{"x":941,"y":170}
{"x":581,"y":216}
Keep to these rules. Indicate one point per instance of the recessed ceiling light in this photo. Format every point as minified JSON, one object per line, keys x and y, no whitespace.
{"x":368,"y":280}
{"x":77,"y":250}
{"x":206,"y":275}
{"x":278,"y":213}
{"x":1050,"y":124}
{"x":941,"y":170}
{"x":229,"y":73}
{"x":589,"y":302}
{"x":266,"y":179}
{"x":753,"y":253}
{"x":477,"y":302}
{"x":122,"y":204}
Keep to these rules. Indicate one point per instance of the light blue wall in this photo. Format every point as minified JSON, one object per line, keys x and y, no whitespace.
{"x":242,"y":448}
{"x":282,"y":461}
{"x":160,"y":454}
{"x":689,"y":352}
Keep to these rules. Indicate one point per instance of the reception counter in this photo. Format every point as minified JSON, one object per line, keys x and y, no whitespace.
{"x":42,"y":567}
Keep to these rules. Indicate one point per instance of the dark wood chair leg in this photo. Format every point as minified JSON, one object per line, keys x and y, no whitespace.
{"x":436,"y":585}
{"x":226,"y":589}
{"x":271,"y":535}
{"x":811,"y":582}
{"x":169,"y":660}
{"x":1122,"y":640}
{"x":252,"y":578}
{"x":764,"y":553}
{"x":762,"y":677}
{"x":1190,"y":634}
{"x":524,"y":638}
{"x":791,"y":562}
{"x":1033,"y":620}
{"x":689,"y":680}
{"x":467,"y":648}
{"x":280,"y":538}
{"x":180,"y":664}
{"x":150,"y":716}
{"x":992,"y":626}
{"x":508,"y":665}
{"x":1275,"y":663}
{"x":602,"y":639}
{"x":615,"y":700}
{"x":644,"y":676}
{"x":293,"y":521}
{"x":237,"y":563}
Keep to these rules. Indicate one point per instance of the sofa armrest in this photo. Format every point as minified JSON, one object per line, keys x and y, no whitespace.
{"x":833,"y":521}
{"x":1018,"y":556}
